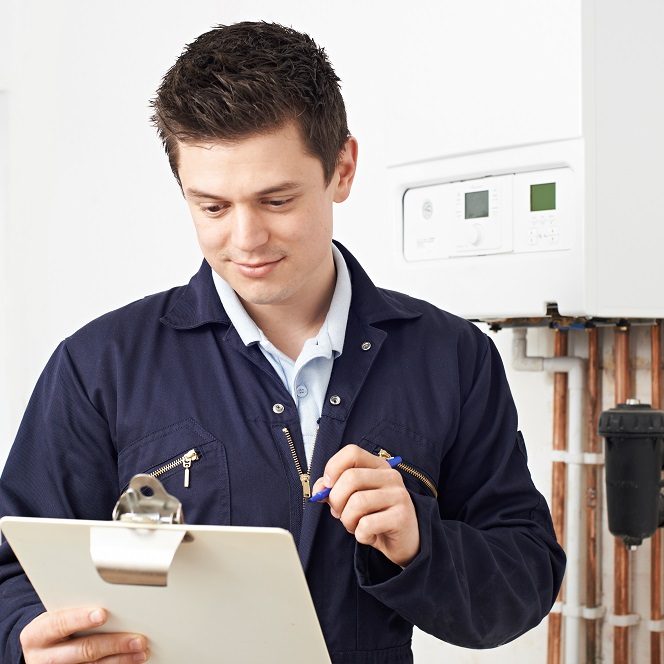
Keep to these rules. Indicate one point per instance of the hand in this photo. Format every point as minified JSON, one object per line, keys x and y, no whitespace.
{"x":49,"y":639}
{"x":372,"y":502}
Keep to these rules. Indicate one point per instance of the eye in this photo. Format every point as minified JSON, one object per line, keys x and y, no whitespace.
{"x":278,"y":202}
{"x":213,"y":209}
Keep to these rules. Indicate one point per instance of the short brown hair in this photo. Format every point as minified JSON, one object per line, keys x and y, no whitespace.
{"x":250,"y":78}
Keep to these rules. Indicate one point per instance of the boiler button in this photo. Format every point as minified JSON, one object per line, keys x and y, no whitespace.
{"x":427,"y":209}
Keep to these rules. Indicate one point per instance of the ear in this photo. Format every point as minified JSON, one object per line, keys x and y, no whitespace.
{"x":345,"y":171}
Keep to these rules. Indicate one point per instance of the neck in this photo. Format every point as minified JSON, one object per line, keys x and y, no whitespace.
{"x":289,"y":324}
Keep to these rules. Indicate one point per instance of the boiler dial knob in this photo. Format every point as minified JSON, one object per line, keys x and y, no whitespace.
{"x":473,"y":234}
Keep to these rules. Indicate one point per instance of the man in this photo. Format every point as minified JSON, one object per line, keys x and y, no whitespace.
{"x":280,"y":364}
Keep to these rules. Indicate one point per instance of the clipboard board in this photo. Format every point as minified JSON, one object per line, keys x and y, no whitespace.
{"x":198,"y":593}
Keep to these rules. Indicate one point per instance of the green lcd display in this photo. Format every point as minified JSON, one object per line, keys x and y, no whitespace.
{"x":542,"y":197}
{"x":477,"y":204}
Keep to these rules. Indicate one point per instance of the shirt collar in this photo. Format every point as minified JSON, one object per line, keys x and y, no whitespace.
{"x":333,"y":327}
{"x":188,"y":307}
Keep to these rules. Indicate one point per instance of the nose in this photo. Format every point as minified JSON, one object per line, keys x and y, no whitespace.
{"x":248,"y":230}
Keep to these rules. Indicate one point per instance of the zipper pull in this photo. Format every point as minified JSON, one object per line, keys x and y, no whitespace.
{"x":191,"y":455}
{"x":306,"y":488}
{"x":384,"y":454}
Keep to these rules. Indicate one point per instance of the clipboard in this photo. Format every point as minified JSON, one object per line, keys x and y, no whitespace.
{"x":198,"y":593}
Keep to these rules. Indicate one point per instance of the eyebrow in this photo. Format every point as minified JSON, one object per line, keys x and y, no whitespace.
{"x":282,"y":186}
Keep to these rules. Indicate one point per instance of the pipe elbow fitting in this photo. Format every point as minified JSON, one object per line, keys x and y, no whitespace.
{"x":521,"y":361}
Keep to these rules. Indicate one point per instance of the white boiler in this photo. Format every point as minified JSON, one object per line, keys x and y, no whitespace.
{"x":533,"y":179}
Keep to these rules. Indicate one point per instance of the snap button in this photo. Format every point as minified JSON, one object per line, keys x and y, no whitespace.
{"x":301,"y":391}
{"x":278,"y":408}
{"x":335,"y":400}
{"x":366,"y":345}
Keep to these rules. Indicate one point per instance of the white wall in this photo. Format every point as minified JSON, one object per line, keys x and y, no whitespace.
{"x":95,"y":219}
{"x":6,"y":428}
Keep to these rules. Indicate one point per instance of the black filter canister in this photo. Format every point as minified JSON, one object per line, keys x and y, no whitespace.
{"x":634,"y":436}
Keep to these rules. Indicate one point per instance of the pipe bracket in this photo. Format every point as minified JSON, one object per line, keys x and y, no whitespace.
{"x":582,"y":459}
{"x":656,"y":625}
{"x":585,"y":612}
{"x":593,"y":612}
{"x":624,"y":620}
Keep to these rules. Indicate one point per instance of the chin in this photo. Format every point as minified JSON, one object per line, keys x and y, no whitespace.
{"x":260,"y":297}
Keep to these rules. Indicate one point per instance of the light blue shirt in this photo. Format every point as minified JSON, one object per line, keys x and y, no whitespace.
{"x":308,"y":376}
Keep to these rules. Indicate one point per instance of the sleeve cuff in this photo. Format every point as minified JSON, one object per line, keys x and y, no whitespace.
{"x":26,"y":618}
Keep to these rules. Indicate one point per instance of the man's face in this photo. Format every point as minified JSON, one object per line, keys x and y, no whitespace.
{"x":263,"y":214}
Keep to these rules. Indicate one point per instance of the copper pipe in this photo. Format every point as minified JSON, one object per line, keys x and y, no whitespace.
{"x":656,"y":364}
{"x":656,"y":542}
{"x":621,"y":559}
{"x":592,"y":479}
{"x":558,"y":485}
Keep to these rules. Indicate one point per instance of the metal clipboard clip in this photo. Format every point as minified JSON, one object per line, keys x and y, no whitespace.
{"x":155,"y":507}
{"x":142,"y":552}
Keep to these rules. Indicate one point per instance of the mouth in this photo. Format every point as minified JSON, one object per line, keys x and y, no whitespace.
{"x":257,"y":269}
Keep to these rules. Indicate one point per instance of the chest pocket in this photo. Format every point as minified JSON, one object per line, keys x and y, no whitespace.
{"x":191,"y":464}
{"x":420,"y":464}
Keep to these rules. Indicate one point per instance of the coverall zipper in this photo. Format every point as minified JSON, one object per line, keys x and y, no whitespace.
{"x":305,"y":478}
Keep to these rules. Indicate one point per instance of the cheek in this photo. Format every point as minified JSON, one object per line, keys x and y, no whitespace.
{"x":317,"y":221}
{"x":209,"y":235}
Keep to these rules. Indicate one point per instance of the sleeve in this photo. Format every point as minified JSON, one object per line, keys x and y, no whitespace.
{"x":62,"y":464}
{"x":489,"y":567}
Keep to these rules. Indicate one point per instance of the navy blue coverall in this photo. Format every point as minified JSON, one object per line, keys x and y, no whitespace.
{"x":142,"y":385}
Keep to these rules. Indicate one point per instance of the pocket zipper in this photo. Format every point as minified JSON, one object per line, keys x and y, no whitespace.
{"x":185,"y":461}
{"x":407,"y":468}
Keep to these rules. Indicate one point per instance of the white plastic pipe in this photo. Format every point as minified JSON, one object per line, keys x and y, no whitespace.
{"x":574,"y":367}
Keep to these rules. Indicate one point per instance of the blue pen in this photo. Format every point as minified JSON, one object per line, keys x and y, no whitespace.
{"x":322,"y":495}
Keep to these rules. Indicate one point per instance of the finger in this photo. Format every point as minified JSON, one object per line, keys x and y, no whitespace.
{"x":55,"y":626}
{"x":394,"y":532}
{"x":319,"y":485}
{"x":363,"y":503}
{"x":350,"y":456}
{"x":96,"y":647}
{"x":356,"y":480}
{"x":125,"y":659}
{"x":375,"y":525}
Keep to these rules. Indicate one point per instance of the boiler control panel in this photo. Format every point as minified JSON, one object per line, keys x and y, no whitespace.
{"x":513,"y":213}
